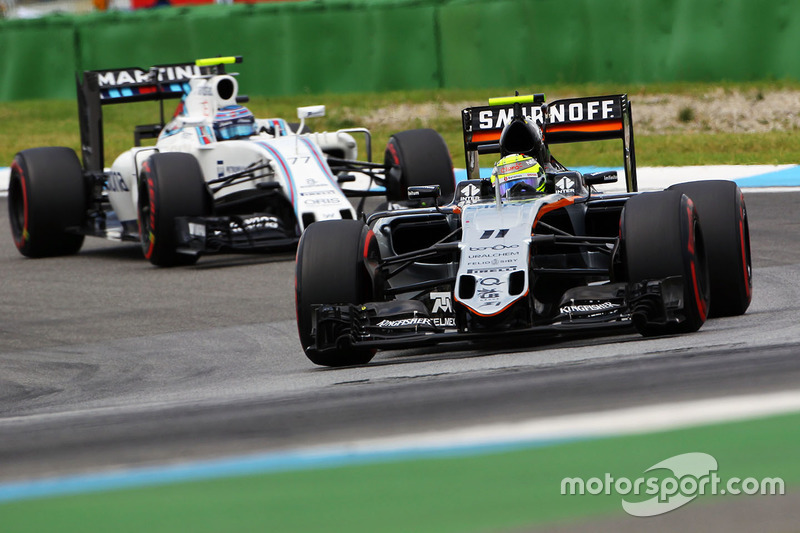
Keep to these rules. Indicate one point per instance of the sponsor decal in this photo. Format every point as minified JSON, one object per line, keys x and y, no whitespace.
{"x":233,"y":169}
{"x":488,"y":270}
{"x":405,"y":322}
{"x":488,"y":294}
{"x":496,"y":247}
{"x":565,"y":186}
{"x":441,"y":302}
{"x":578,"y":110}
{"x":501,"y":233}
{"x":605,"y":306}
{"x":254,"y":223}
{"x":197,"y":230}
{"x":469,"y":195}
{"x":322,"y":201}
{"x":492,"y":255}
{"x":115,"y":183}
{"x":137,"y":76}
{"x":328,"y":192}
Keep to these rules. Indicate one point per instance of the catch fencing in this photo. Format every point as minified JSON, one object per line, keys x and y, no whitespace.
{"x":318,"y":46}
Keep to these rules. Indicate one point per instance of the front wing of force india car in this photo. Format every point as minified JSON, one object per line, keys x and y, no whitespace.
{"x":568,"y":259}
{"x":217,"y":179}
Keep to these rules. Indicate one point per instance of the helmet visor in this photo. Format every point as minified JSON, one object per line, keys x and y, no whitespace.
{"x":527,"y":184}
{"x":234,"y":131}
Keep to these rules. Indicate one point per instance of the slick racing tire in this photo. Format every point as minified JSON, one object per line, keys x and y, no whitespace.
{"x":662,"y":237}
{"x":171,"y":185}
{"x":333,"y":258}
{"x":417,"y":157}
{"x":46,"y":197}
{"x":727,"y":237}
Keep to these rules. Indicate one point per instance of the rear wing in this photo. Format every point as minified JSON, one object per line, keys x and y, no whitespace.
{"x":563,"y":121}
{"x":97,"y":88}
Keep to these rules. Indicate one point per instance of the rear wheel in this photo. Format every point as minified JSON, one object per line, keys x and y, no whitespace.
{"x":727,"y":238}
{"x":417,"y":157}
{"x":661,"y":237}
{"x":171,"y":185}
{"x":332,"y":268}
{"x":46,"y":197}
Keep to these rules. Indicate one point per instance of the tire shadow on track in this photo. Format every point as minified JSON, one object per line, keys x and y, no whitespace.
{"x":488,"y":348}
{"x":133,"y":253}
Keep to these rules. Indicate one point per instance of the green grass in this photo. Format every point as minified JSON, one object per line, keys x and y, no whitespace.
{"x":490,"y":492}
{"x":47,"y":123}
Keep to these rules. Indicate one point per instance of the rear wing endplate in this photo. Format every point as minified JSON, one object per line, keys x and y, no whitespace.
{"x":563,"y":121}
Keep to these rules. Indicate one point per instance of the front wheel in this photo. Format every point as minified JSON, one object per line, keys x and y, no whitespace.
{"x":46,"y":201}
{"x":334,"y":259}
{"x":171,"y":185}
{"x":727,"y":233}
{"x":661,"y":238}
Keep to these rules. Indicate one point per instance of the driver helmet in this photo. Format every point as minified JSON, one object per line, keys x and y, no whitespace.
{"x":234,"y":122}
{"x":518,"y":174}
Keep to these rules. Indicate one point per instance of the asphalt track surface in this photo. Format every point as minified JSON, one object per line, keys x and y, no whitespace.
{"x":108,"y":362}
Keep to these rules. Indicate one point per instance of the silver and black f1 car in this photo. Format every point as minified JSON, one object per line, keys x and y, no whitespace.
{"x":558,"y":260}
{"x":216,"y":180}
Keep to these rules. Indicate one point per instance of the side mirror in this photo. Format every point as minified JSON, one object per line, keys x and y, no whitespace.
{"x":600,"y":178}
{"x":311,"y":111}
{"x":424,"y":191}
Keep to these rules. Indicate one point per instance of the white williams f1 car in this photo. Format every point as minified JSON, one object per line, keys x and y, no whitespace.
{"x":536,"y":250}
{"x":217,"y":179}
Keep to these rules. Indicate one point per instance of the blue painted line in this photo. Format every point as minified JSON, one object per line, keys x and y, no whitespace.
{"x":249,"y":466}
{"x":789,"y":177}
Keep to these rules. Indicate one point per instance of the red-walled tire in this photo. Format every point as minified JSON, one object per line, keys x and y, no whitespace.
{"x":46,"y":197}
{"x":171,"y":185}
{"x":662,"y":237}
{"x":331,"y":268}
{"x":727,"y":237}
{"x":417,"y":157}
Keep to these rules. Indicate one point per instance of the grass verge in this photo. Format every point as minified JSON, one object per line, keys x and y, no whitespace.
{"x":54,"y":123}
{"x":488,"y":492}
